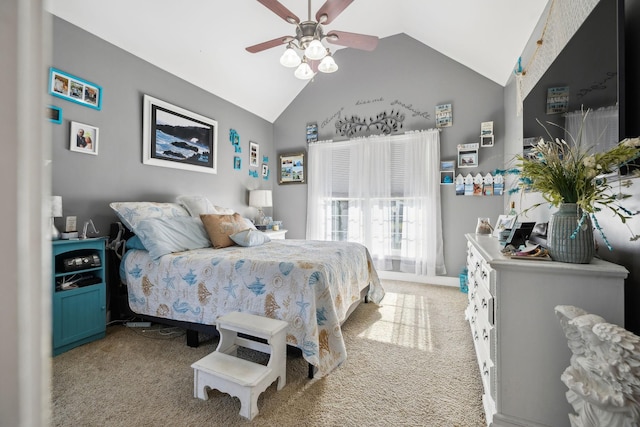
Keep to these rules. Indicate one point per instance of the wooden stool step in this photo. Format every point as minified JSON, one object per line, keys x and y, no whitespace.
{"x":240,"y":371}
{"x":222,"y":370}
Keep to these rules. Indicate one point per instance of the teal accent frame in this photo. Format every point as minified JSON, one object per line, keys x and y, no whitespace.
{"x":54,"y":114}
{"x":74,"y":89}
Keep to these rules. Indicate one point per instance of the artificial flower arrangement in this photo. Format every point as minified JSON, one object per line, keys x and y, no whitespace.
{"x":571,"y":173}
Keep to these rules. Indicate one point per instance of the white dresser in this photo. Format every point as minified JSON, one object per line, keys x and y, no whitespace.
{"x":520,"y":345}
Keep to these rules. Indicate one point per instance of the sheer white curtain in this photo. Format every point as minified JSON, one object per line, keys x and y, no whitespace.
{"x":383,"y":192}
{"x":600,"y":130}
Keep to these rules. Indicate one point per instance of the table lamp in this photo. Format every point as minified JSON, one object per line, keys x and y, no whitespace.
{"x":56,"y":212}
{"x":260,"y":199}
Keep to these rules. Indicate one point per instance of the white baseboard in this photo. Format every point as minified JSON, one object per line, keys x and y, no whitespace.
{"x":431,"y":280}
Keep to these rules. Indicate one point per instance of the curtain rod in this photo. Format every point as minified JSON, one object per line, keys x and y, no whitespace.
{"x":329,"y":141}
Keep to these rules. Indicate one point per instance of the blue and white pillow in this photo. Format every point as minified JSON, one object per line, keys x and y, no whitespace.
{"x":250,"y":237}
{"x":161,"y":236}
{"x":131,"y":213}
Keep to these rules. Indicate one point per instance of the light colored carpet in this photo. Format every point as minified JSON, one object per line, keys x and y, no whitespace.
{"x":410,"y":362}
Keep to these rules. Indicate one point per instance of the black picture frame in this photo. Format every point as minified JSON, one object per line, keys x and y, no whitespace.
{"x":520,"y":234}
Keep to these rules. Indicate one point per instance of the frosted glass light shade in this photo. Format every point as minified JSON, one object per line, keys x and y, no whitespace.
{"x":290,"y":58}
{"x":315,"y":50}
{"x":260,"y":198}
{"x":56,"y":206}
{"x":304,"y":72}
{"x":328,"y":65}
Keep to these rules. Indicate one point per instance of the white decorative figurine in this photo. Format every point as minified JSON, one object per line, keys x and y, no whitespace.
{"x":604,"y":375}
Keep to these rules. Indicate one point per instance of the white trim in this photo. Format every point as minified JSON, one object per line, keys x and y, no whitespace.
{"x":430,"y":280}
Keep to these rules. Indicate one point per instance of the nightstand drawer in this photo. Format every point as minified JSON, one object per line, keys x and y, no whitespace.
{"x":276,"y":234}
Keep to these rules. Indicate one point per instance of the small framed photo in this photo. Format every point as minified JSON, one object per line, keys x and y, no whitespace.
{"x":504,"y":222}
{"x":237,"y":163}
{"x":265,"y":170}
{"x":54,"y":114}
{"x":254,"y":150}
{"x":74,"y":89}
{"x":84,"y":138}
{"x":292,"y":169}
{"x":447,"y":165}
{"x":312,"y":132}
{"x":468,"y":155}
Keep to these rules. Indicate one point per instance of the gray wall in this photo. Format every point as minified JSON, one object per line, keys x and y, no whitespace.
{"x":419,"y":78}
{"x":88,"y":183}
{"x":591,"y":79}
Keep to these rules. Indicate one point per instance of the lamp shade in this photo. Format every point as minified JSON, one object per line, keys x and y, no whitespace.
{"x":260,"y":198}
{"x":56,"y":206}
{"x":304,"y":71}
{"x":290,"y":58}
{"x":315,"y":50}
{"x":328,"y":65}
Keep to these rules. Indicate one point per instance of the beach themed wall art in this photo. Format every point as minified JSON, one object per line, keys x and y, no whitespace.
{"x":177,"y":138}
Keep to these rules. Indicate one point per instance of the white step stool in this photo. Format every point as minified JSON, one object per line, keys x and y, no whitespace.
{"x":223,"y":370}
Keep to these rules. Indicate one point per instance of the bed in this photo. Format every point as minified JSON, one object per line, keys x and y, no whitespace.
{"x":313,"y":285}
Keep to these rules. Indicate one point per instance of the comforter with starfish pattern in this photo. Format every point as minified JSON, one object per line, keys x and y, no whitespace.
{"x":310,"y":284}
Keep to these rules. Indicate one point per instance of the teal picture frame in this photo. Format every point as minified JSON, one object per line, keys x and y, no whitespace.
{"x":54,"y":114}
{"x":74,"y":89}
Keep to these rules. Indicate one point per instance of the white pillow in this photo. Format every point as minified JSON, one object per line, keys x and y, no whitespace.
{"x":200,"y":205}
{"x":161,"y":236}
{"x":130,"y":213}
{"x":250,"y":237}
{"x":223,"y":211}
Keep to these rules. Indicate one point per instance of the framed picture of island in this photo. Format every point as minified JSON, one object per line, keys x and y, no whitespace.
{"x":177,"y":138}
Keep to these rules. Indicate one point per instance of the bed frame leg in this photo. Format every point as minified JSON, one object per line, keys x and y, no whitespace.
{"x":312,"y":371}
{"x":192,"y":338}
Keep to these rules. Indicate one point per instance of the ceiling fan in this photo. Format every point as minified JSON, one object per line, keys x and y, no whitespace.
{"x":308,"y":38}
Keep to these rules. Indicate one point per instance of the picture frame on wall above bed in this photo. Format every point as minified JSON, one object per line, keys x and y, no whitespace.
{"x":83,"y":138}
{"x":292,"y":168}
{"x":174,"y":137}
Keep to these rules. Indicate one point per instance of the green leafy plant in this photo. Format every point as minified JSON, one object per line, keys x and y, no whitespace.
{"x":570,"y":172}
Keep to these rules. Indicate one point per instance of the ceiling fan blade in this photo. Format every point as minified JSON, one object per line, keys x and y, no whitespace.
{"x":314,"y":65}
{"x":357,"y":41}
{"x":278,"y":8}
{"x":330,"y":10}
{"x":269,"y":44}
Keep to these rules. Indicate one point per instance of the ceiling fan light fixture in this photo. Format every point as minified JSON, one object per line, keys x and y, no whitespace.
{"x":328,"y":64}
{"x":315,"y":50}
{"x":303,"y":72}
{"x":290,"y":58}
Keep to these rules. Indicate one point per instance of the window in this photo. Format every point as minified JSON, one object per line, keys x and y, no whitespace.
{"x":382,"y":192}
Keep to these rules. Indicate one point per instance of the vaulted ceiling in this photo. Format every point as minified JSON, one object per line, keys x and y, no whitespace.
{"x":204,"y":41}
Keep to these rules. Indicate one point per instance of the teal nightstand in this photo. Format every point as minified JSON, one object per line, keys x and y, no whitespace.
{"x":79,"y":305}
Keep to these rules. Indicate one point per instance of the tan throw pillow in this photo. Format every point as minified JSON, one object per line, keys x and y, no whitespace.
{"x":220,"y":227}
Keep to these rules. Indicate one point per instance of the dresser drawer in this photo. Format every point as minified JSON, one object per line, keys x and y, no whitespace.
{"x":485,"y":304}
